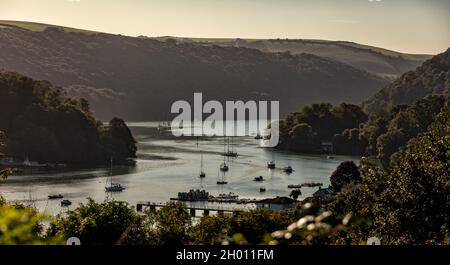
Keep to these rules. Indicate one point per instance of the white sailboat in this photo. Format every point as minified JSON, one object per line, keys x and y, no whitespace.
{"x":224,"y":167}
{"x":113,"y":187}
{"x":231,"y":153}
{"x":221,"y":181}
{"x":202,"y":173}
{"x":271,"y":164}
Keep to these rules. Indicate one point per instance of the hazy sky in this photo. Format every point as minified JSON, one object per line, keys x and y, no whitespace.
{"x":414,"y":26}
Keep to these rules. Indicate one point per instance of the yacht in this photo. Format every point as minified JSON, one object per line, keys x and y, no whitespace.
{"x":113,"y":187}
{"x":288,"y":169}
{"x":271,"y":164}
{"x":66,"y":203}
{"x":260,"y":178}
{"x":224,"y":167}
{"x":55,"y":196}
{"x":221,"y":181}
{"x":230,"y":153}
{"x":202,"y":173}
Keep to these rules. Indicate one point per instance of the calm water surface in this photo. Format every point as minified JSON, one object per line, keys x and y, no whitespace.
{"x":166,"y":166}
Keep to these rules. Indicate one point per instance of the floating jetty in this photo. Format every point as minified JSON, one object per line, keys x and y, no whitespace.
{"x":306,"y":184}
{"x":203,"y":196}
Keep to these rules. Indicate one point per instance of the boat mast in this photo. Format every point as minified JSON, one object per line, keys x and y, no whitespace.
{"x":111,"y":171}
{"x":232,"y":146}
{"x":201,"y":164}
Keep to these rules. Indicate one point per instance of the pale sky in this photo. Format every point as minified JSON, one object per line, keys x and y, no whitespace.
{"x":412,"y":26}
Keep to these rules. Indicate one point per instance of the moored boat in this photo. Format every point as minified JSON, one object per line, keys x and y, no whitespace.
{"x":288,"y":169}
{"x":55,"y":196}
{"x":259,"y":178}
{"x":66,"y":203}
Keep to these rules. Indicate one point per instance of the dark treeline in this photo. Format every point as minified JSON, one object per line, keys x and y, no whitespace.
{"x":381,"y":133}
{"x":433,"y":77}
{"x":352,"y":132}
{"x":43,"y":125}
{"x":304,"y":131}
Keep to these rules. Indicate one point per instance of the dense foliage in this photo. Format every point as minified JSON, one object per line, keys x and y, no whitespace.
{"x":433,"y":77}
{"x":386,"y":133}
{"x":382,"y":62}
{"x":3,"y":170}
{"x":41,"y":124}
{"x":23,"y":226}
{"x":100,"y":224}
{"x":407,"y":203}
{"x":304,"y":131}
{"x":346,"y":173}
{"x":352,"y":132}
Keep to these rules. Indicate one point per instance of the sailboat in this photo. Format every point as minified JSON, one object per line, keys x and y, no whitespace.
{"x":202,"y":173}
{"x":224,"y":167}
{"x":113,"y":187}
{"x":288,"y":169}
{"x":221,"y":181}
{"x":231,"y":152}
{"x":271,"y":164}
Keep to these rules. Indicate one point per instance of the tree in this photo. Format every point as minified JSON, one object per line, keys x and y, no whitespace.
{"x":172,"y":223}
{"x":23,"y":226}
{"x":302,"y":138}
{"x":211,"y":230}
{"x":97,"y":223}
{"x":40,"y":124}
{"x":349,"y":142}
{"x":118,"y":140}
{"x":255,"y":225}
{"x":295,"y":193}
{"x":84,"y":105}
{"x":407,"y":203}
{"x":347,"y":172}
{"x":413,"y":209}
{"x":325,"y":121}
{"x":388,"y":144}
{"x":348,"y":116}
{"x":3,"y":171}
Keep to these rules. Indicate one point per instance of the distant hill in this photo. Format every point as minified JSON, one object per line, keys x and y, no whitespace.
{"x":385,"y":63}
{"x":433,"y":77}
{"x":33,"y":26}
{"x":139,"y":78}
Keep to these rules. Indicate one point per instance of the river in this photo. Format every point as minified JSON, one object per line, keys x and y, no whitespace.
{"x":168,"y":165}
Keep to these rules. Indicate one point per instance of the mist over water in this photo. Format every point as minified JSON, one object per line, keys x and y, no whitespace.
{"x":168,"y":165}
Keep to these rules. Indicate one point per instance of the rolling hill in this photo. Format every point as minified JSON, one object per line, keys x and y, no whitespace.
{"x":432,"y":77}
{"x":382,"y":62}
{"x":139,"y":78}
